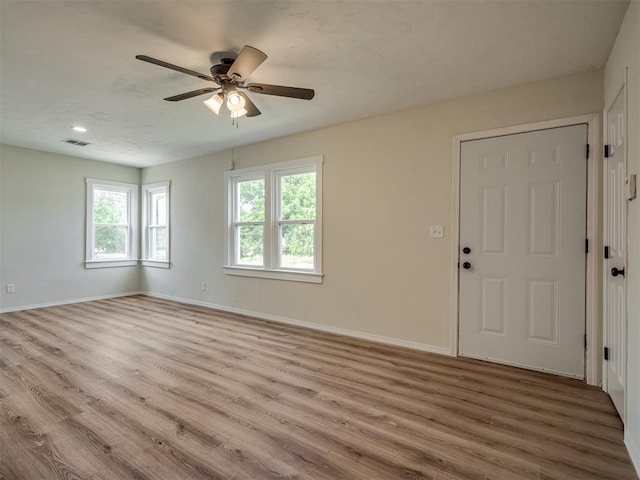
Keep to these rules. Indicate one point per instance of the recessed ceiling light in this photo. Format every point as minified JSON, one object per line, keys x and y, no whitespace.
{"x":78,"y":128}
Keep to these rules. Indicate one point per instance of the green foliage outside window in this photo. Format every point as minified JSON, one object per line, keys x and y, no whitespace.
{"x":299,"y":197}
{"x":251,"y":208}
{"x":110,"y":208}
{"x":298,"y":202}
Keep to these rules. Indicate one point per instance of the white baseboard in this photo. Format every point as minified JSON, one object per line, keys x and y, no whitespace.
{"x":634,"y":451}
{"x":314,"y":326}
{"x":264,"y":316}
{"x":66,"y":302}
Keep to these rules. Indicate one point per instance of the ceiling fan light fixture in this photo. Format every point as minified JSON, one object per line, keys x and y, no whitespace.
{"x":239,"y":113}
{"x":235,"y":103}
{"x":214,"y":103}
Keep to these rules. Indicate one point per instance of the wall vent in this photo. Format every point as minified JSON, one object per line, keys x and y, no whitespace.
{"x":77,"y":143}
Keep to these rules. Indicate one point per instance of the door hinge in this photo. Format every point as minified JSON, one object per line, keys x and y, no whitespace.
{"x":585,"y":341}
{"x":606,"y":251}
{"x":586,"y":245}
{"x":588,"y":150}
{"x":606,"y":353}
{"x":606,"y":151}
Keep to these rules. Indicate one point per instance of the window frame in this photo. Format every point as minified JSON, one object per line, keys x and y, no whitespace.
{"x":131,"y":190}
{"x":272,"y":175}
{"x":148,"y":190}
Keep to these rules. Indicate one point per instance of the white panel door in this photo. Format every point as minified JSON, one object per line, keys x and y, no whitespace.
{"x":523,"y":224}
{"x":615,"y":248}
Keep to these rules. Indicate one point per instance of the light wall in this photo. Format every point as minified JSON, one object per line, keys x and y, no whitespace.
{"x":626,"y":53}
{"x":386,"y":179}
{"x":42,"y":229}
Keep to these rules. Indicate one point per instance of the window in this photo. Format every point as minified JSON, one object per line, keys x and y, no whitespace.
{"x":111,"y":224}
{"x":274,"y":221}
{"x":155,"y":214}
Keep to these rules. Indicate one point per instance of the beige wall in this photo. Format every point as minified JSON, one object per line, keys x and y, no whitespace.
{"x":386,"y":179}
{"x":626,"y":53}
{"x":42,"y":234}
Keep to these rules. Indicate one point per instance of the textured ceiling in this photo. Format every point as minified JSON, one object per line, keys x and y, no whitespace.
{"x":64,"y":63}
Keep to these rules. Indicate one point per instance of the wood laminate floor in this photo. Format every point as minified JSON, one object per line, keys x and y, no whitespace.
{"x":140,"y":388}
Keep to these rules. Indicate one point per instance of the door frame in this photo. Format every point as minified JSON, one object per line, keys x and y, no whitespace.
{"x":593,"y":307}
{"x":621,"y":88}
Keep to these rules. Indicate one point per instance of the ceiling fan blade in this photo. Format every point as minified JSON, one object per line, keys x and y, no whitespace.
{"x":171,"y":66}
{"x":247,"y":61}
{"x":280,"y":91}
{"x":195,"y":93}
{"x":250,"y":107}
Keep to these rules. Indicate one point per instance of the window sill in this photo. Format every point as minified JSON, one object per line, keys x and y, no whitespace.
{"x":110,"y":263}
{"x":155,"y":263}
{"x":289,"y":275}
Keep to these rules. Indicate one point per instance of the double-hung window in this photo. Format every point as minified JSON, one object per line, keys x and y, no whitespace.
{"x":274,"y":221}
{"x":155,"y":215}
{"x":111,"y":224}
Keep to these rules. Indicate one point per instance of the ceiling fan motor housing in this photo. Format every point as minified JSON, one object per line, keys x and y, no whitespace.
{"x":219,"y":71}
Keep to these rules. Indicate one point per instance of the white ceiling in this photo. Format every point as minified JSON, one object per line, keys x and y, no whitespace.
{"x":64,"y":63}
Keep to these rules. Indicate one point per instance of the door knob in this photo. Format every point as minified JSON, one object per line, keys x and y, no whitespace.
{"x":466,"y":250}
{"x":466,"y":265}
{"x":617,"y":271}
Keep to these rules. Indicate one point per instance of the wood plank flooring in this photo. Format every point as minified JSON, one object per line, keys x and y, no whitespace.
{"x":141,"y":388}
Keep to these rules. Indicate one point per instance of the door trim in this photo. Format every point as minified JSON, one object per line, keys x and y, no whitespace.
{"x":593,"y":307}
{"x":622,"y":88}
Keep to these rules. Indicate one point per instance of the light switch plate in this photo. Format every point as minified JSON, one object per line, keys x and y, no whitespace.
{"x":436,"y":231}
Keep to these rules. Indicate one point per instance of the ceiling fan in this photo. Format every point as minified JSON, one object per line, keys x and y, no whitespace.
{"x":229,"y":77}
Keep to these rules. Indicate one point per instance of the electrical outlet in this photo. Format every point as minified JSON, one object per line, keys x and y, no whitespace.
{"x":11,"y":288}
{"x":203,"y":286}
{"x":436,"y":231}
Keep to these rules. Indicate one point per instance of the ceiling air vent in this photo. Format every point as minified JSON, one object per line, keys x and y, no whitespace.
{"x":77,"y":143}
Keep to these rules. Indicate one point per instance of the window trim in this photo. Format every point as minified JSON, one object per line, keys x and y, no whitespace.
{"x":271,"y":174}
{"x":132,"y":210}
{"x":147,"y":190}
